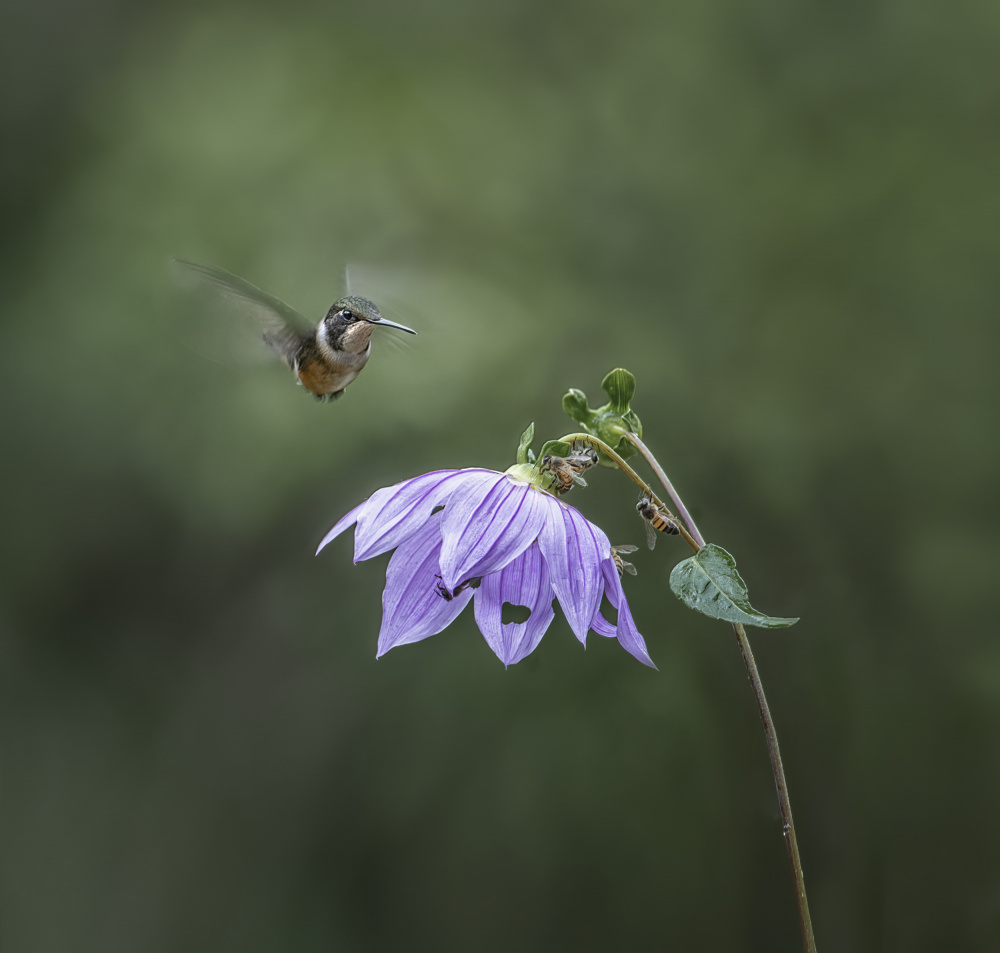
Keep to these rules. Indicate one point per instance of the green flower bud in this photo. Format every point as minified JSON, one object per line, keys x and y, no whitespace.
{"x":615,"y":418}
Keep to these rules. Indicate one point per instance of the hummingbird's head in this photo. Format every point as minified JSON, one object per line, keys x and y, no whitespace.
{"x":353,"y":308}
{"x":349,"y":322}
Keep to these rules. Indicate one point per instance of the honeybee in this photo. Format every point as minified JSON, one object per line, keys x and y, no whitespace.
{"x":583,"y":457}
{"x":656,"y":520}
{"x":564,"y":474}
{"x":623,"y":565}
{"x":567,"y":471}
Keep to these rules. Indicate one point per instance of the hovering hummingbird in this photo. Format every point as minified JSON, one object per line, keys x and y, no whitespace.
{"x":325,"y":358}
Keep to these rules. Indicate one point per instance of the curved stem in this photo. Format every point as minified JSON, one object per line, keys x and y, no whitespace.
{"x":668,"y":486}
{"x":774,"y":752}
{"x":599,"y":444}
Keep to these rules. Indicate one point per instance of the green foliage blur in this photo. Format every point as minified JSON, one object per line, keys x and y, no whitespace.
{"x":782,"y":217}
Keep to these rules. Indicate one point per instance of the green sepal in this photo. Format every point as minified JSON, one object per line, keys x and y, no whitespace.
{"x":709,"y":583}
{"x":614,"y":419}
{"x":619,"y":385}
{"x":523,"y":448}
{"x":576,"y":406}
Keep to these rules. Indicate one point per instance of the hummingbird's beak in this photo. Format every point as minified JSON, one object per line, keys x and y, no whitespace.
{"x":392,"y":324}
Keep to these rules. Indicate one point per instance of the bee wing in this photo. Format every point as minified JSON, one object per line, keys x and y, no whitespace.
{"x":650,"y":534}
{"x":577,"y":479}
{"x":627,"y":548}
{"x":629,"y":568}
{"x":282,"y":327}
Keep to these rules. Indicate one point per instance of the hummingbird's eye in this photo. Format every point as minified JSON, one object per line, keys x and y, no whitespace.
{"x":348,"y":315}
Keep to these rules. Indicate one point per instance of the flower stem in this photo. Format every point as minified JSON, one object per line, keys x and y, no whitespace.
{"x":599,"y":444}
{"x":777,"y":768}
{"x":781,"y":785}
{"x":669,"y":487}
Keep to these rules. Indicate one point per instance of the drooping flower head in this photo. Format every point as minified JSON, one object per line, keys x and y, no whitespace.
{"x":487,"y":537}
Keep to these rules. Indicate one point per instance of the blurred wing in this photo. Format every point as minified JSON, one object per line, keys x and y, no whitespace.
{"x":282,"y":327}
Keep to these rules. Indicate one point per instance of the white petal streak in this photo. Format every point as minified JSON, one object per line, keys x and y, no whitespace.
{"x":412,"y":607}
{"x":523,"y":582}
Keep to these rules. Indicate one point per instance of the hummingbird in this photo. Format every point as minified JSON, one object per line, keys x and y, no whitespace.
{"x":325,"y":358}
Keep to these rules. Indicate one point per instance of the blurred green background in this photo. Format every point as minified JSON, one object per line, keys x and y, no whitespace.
{"x":782,"y":218}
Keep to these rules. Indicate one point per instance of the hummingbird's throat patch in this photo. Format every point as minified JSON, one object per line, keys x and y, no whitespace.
{"x":355,"y":338}
{"x":336,"y":343}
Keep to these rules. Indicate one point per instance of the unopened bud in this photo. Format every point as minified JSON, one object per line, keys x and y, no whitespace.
{"x":616,"y":418}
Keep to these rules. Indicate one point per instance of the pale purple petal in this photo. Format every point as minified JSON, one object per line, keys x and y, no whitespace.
{"x":519,"y":544}
{"x":395,"y":512}
{"x":523,"y":582}
{"x":574,"y":549}
{"x":412,"y":606}
{"x":343,"y":523}
{"x":626,"y":632}
{"x":602,"y":627}
{"x":487,"y":525}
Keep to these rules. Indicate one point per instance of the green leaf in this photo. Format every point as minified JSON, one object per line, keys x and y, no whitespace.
{"x":522,"y":447}
{"x":709,"y":583}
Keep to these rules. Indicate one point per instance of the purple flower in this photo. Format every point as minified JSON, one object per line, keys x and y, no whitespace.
{"x":462,"y":535}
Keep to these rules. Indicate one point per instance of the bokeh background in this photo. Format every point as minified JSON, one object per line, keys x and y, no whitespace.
{"x":782,"y":217}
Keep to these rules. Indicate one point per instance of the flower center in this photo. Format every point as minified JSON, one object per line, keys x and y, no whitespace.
{"x":529,"y":474}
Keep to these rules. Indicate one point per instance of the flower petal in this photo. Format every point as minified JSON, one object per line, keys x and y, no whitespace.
{"x":602,"y":627}
{"x":574,"y":549}
{"x":343,"y":523}
{"x":412,"y":606}
{"x":487,"y":525}
{"x":396,"y":512}
{"x":626,"y":631}
{"x":523,"y":582}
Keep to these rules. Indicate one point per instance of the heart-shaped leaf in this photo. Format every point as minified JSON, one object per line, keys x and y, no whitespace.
{"x":709,"y":583}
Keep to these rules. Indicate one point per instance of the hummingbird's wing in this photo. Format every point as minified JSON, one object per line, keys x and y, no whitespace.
{"x":282,"y":327}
